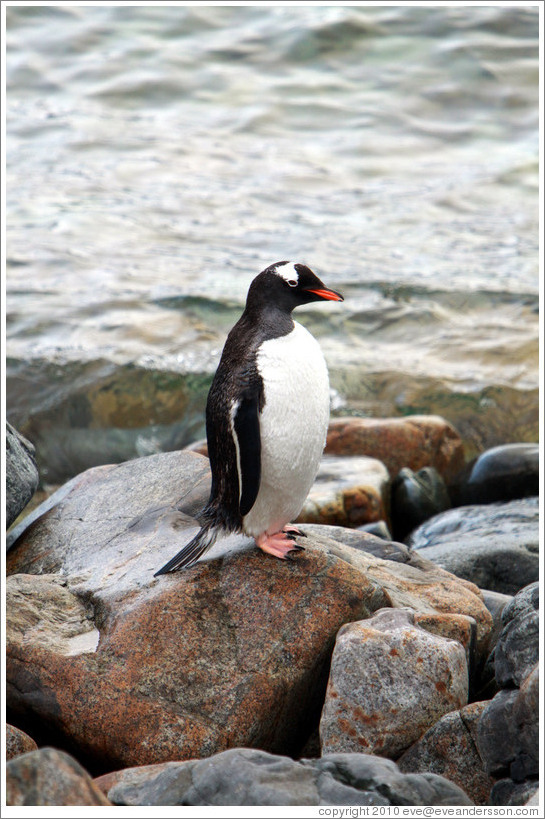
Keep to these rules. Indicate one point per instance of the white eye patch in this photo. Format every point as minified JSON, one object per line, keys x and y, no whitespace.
{"x":288,"y":273}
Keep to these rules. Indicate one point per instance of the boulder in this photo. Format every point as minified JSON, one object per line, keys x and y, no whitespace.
{"x":508,"y":731}
{"x":517,"y":649}
{"x":495,"y":546}
{"x":21,"y":473}
{"x":415,"y":441}
{"x":448,"y":748}
{"x":416,"y":497}
{"x":389,"y":682}
{"x":503,"y":473}
{"x":348,"y":492}
{"x":506,"y":792}
{"x":242,"y":776}
{"x":50,"y":777}
{"x":17,"y":742}
{"x":234,"y":651}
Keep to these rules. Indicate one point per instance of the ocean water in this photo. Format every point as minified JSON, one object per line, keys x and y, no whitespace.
{"x":159,"y":157}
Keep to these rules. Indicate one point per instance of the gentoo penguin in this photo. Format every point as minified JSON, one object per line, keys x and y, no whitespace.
{"x":266,"y":418}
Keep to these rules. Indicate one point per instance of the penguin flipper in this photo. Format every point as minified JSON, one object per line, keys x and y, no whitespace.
{"x":203,"y":540}
{"x":248,"y":435}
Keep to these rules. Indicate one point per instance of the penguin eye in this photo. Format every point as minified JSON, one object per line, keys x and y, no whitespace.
{"x":292,"y":283}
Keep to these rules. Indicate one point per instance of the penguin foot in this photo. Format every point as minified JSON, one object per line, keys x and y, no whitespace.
{"x":290,"y":529}
{"x":279,"y":544}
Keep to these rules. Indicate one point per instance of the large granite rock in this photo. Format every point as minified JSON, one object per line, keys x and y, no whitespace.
{"x":234,"y":651}
{"x":448,"y":748}
{"x":50,"y":777}
{"x":495,"y":546}
{"x":21,"y":473}
{"x":243,"y":776}
{"x":389,"y":682}
{"x":415,"y":441}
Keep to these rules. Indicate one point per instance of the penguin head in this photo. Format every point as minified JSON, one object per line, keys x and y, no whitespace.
{"x":287,"y":285}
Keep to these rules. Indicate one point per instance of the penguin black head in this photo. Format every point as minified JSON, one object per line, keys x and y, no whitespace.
{"x":287,"y":285}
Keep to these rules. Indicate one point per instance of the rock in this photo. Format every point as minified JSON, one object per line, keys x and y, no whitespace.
{"x":348,"y":492}
{"x":21,"y":473}
{"x":457,"y":627}
{"x":379,"y":529}
{"x":495,"y":546}
{"x":495,"y":602}
{"x":416,"y":497}
{"x":448,"y":748}
{"x":415,"y":441}
{"x":484,"y":682}
{"x":50,"y":777}
{"x":508,"y":731}
{"x":242,"y":776}
{"x":389,"y":682}
{"x":517,"y":649}
{"x":234,"y":651}
{"x":17,"y":742}
{"x":506,"y":792}
{"x":503,"y":473}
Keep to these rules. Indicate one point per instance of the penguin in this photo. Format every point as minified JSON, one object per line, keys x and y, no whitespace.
{"x":267,"y":415}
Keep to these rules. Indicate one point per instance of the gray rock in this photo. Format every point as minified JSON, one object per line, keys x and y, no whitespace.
{"x":21,"y":473}
{"x":416,"y":497}
{"x":508,"y":731}
{"x":495,"y":546}
{"x":17,"y":742}
{"x":50,"y":777}
{"x":389,"y":682}
{"x":242,"y":776}
{"x":503,"y":473}
{"x":517,"y":649}
{"x":379,"y":529}
{"x":506,"y":792}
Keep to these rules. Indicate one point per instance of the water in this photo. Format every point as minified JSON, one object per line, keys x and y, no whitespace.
{"x":159,"y":157}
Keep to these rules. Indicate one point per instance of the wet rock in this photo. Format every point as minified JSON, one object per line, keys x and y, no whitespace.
{"x":495,"y":546}
{"x":416,"y":497}
{"x":242,"y":776}
{"x":50,"y":777}
{"x":17,"y":742}
{"x":348,"y":492}
{"x":508,"y":731}
{"x":448,"y":748}
{"x":506,"y":792}
{"x":21,"y":473}
{"x":135,"y":669}
{"x":415,"y":442}
{"x":389,"y":682}
{"x":517,"y":649}
{"x":503,"y":473}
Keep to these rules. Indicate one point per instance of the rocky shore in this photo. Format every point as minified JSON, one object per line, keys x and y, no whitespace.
{"x":366,"y":671}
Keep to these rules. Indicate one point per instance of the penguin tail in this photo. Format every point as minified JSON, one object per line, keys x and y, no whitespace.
{"x":203,"y":540}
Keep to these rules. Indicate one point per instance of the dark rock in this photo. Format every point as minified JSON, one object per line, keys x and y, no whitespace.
{"x":21,"y":473}
{"x":495,"y":546}
{"x":416,"y":497}
{"x":50,"y":777}
{"x":508,"y":731}
{"x":17,"y":742}
{"x":503,"y":473}
{"x":517,"y":649}
{"x":415,"y":441}
{"x":234,"y":651}
{"x":448,"y":748}
{"x":242,"y":776}
{"x":505,"y":792}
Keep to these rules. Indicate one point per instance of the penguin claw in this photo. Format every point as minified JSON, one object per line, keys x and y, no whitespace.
{"x":279,"y":544}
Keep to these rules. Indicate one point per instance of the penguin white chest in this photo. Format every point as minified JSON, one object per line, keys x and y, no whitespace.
{"x":293,"y":427}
